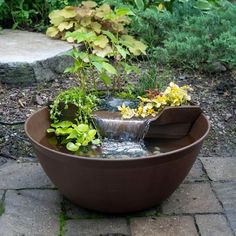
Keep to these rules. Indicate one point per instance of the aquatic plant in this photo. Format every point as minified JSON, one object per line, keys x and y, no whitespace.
{"x":150,"y":106}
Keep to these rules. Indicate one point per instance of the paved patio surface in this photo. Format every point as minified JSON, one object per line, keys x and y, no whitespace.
{"x":205,"y":205}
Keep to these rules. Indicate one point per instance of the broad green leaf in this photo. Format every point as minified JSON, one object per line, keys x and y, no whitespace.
{"x":97,"y":65}
{"x":109,"y":68}
{"x":92,"y":133}
{"x":139,"y":4}
{"x":106,"y":79}
{"x":110,"y":35}
{"x":123,"y":12}
{"x":62,"y":124}
{"x":203,"y":5}
{"x":50,"y":130}
{"x":72,"y":147}
{"x":63,"y":131}
{"x":83,"y":128}
{"x":122,"y":51}
{"x":73,"y":135}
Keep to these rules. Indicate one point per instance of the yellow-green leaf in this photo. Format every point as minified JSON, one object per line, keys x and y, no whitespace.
{"x":89,"y":4}
{"x":68,"y":12}
{"x":109,"y":68}
{"x":56,"y":18}
{"x":103,"y":52}
{"x":65,"y":25}
{"x":101,"y":41}
{"x":52,"y":32}
{"x":85,"y":21}
{"x":96,"y":27}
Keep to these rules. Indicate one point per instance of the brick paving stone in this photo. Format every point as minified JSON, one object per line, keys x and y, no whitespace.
{"x":163,"y":226}
{"x":75,"y":212}
{"x":220,"y":168}
{"x":213,"y":225}
{"x":1,"y":194}
{"x":97,"y":227}
{"x":23,"y":175}
{"x":226,"y":193}
{"x":192,"y":198}
{"x":31,"y":213}
{"x":196,"y":173}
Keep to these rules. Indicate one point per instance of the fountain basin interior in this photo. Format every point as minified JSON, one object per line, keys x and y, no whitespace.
{"x":125,"y":185}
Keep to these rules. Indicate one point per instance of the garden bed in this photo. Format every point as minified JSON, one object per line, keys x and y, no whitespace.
{"x":216,"y":94}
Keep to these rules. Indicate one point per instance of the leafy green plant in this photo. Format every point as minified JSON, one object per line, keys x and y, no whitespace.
{"x":74,"y":136}
{"x":29,"y":15}
{"x":103,"y":33}
{"x":85,"y":104}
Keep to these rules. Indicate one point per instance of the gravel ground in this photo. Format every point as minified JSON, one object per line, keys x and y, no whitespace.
{"x":216,"y":94}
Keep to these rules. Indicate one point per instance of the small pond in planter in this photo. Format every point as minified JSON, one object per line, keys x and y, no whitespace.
{"x":131,"y":175}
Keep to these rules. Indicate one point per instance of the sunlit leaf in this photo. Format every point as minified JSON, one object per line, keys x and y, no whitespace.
{"x":123,"y":12}
{"x":56,"y":18}
{"x":109,"y":68}
{"x":72,"y":147}
{"x":89,"y":4}
{"x":101,"y":41}
{"x":52,"y":32}
{"x":50,"y":130}
{"x":68,"y":12}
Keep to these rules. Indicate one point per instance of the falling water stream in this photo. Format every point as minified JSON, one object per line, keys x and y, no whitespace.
{"x":125,"y":139}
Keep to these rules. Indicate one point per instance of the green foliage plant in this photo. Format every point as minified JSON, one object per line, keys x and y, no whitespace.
{"x":85,"y":103}
{"x":79,"y":133}
{"x":29,"y":15}
{"x":74,"y":136}
{"x":103,"y":33}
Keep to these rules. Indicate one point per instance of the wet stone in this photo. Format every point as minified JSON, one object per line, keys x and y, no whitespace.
{"x":192,"y":198}
{"x":23,"y":175}
{"x":95,"y":227}
{"x":163,"y":226}
{"x":213,"y":225}
{"x":30,"y":212}
{"x":220,"y":168}
{"x":226,"y":193}
{"x":196,"y":173}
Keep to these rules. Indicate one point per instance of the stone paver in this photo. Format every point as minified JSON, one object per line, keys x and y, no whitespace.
{"x":31,"y":212}
{"x":226,"y":192}
{"x":75,"y":212}
{"x":196,"y":173}
{"x":1,"y":194}
{"x":213,"y":225}
{"x":23,"y":175}
{"x":220,"y":168}
{"x":31,"y":56}
{"x":164,"y":226}
{"x":192,"y":198}
{"x":96,"y":227}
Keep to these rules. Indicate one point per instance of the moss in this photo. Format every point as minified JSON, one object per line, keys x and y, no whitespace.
{"x":2,"y":208}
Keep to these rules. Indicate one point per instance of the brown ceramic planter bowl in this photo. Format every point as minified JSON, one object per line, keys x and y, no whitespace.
{"x":120,"y":186}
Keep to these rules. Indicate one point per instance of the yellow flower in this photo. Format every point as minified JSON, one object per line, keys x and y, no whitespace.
{"x":127,"y":112}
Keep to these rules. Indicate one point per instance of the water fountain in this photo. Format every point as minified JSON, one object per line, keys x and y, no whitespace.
{"x":126,"y":174}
